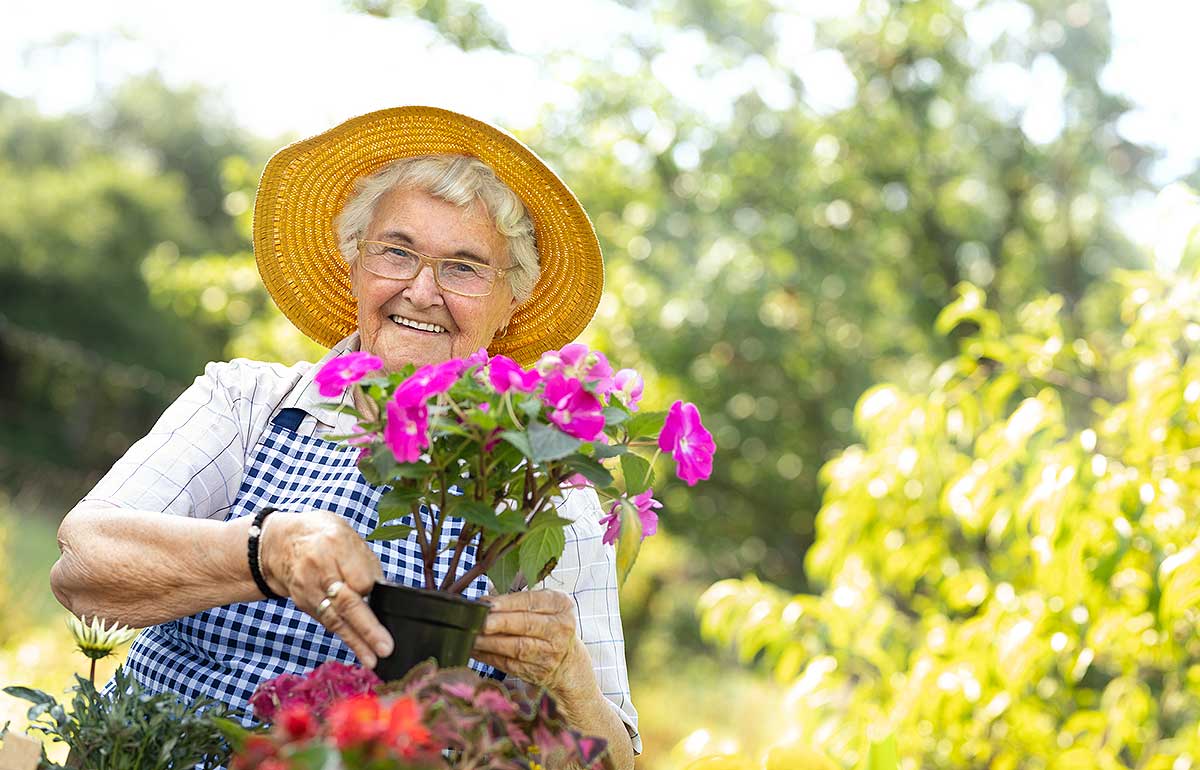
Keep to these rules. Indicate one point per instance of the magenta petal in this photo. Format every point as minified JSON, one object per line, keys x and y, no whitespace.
{"x":506,"y":374}
{"x":343,"y":371}
{"x":612,"y":525}
{"x":407,"y":431}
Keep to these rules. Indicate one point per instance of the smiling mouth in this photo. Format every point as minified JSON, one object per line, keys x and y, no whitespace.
{"x":420,"y":326}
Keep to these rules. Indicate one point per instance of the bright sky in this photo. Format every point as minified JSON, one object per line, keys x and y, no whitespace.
{"x":300,"y":66}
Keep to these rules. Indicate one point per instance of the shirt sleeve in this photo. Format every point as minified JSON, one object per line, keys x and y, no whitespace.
{"x":192,"y":461}
{"x":588,"y":573}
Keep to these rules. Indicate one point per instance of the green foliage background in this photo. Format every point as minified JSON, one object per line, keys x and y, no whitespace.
{"x":980,"y":581}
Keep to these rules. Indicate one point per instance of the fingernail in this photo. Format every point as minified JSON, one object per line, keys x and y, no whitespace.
{"x":384,"y":648}
{"x":369,"y":661}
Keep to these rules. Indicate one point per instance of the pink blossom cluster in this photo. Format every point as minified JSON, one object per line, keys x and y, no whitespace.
{"x":573,"y":384}
{"x":316,"y":690}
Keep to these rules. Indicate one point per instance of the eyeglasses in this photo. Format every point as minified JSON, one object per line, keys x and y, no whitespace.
{"x":457,"y":276}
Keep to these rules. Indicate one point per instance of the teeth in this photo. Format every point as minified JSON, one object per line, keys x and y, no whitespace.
{"x":417,"y":324}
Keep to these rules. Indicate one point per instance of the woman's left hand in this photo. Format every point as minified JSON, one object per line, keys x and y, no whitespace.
{"x":531,"y":635}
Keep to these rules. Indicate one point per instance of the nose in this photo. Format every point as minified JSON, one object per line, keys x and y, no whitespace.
{"x":422,"y":290}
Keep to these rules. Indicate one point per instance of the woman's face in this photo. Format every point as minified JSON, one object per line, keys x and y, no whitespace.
{"x":387,"y":307}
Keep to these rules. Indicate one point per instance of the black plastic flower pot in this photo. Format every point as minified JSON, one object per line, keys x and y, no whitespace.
{"x":425,"y":624}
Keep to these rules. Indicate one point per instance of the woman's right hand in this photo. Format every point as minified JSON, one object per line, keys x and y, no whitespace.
{"x":304,"y":554}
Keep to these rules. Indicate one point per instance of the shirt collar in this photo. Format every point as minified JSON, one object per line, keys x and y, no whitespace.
{"x":308,"y":398}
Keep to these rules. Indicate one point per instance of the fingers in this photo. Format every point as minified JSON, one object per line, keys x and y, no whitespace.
{"x":553,"y":628}
{"x":350,"y":618}
{"x":314,"y":551}
{"x":546,"y":602}
{"x":337,"y":624}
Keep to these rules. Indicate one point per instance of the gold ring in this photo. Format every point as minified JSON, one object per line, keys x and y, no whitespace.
{"x":324,"y":607}
{"x":333,"y":589}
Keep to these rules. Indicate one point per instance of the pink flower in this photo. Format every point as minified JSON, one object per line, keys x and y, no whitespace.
{"x":506,"y":374}
{"x":645,"y":505}
{"x":477,"y":359}
{"x":627,"y":388}
{"x":575,"y":411}
{"x":575,"y":360}
{"x":361,"y":439}
{"x":577,"y":480}
{"x":407,"y":430}
{"x":688,"y":441}
{"x":427,"y":381}
{"x":274,"y":694}
{"x":345,"y":370}
{"x":461,"y":690}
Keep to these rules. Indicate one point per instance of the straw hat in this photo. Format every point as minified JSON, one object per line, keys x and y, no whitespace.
{"x":306,"y":184}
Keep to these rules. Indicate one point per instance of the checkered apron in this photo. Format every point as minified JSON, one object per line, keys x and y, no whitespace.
{"x":226,"y":652}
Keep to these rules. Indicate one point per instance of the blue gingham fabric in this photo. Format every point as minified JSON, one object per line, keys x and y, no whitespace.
{"x":226,"y":652}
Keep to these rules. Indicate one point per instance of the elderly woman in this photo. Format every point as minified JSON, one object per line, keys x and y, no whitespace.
{"x":418,"y":235}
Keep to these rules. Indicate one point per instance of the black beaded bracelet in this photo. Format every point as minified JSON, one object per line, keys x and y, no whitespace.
{"x":252,"y":553}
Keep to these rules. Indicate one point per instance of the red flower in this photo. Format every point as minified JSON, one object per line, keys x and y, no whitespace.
{"x":405,"y":732}
{"x":297,"y":722}
{"x":355,"y":721}
{"x":257,"y":750}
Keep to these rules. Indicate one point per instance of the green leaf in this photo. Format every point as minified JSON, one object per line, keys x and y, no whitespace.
{"x":314,"y":757}
{"x":345,"y":409}
{"x":637,"y":472}
{"x":605,"y":451}
{"x":391,"y":532}
{"x":520,"y":440}
{"x":630,"y":540}
{"x":233,"y":731}
{"x":482,"y":515}
{"x":503,"y":572}
{"x":615,"y":415}
{"x":539,"y":547}
{"x":531,"y":406}
{"x":550,"y":443}
{"x":592,"y":470}
{"x":417,"y":470}
{"x":548,"y":518}
{"x":31,"y":695}
{"x":646,"y":424}
{"x":512,"y":521}
{"x":397,"y":503}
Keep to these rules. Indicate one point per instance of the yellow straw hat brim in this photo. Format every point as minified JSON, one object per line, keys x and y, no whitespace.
{"x":305,"y":186}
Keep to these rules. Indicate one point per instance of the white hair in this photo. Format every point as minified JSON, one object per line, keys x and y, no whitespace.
{"x":457,"y":179}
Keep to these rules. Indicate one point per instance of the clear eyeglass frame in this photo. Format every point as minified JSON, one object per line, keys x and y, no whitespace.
{"x":435,"y":265}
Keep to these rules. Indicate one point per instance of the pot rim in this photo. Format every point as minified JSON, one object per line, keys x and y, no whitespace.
{"x":436,"y":595}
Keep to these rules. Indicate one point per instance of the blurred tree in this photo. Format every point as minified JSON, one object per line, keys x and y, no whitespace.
{"x":100,"y":324}
{"x":785,"y":206}
{"x":1011,"y":557}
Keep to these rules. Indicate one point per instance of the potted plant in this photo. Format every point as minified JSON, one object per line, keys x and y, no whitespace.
{"x":124,"y":727}
{"x":494,"y":444}
{"x":340,"y":716}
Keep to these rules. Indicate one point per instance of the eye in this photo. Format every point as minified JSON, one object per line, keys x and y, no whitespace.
{"x":397,"y":252}
{"x":463,"y":269}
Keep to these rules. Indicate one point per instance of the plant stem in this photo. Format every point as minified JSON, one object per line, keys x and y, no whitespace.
{"x":459,"y":547}
{"x":512,"y":413}
{"x":92,"y":673}
{"x":482,"y":562}
{"x":426,"y":556}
